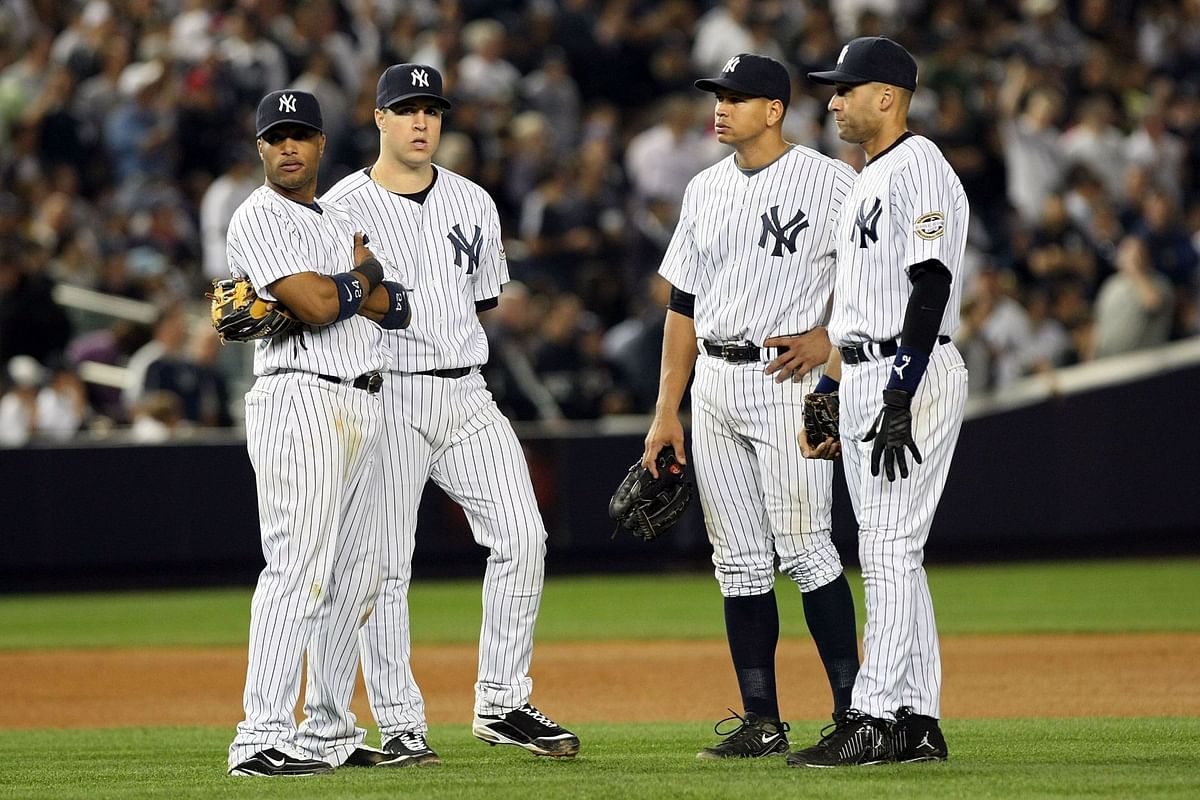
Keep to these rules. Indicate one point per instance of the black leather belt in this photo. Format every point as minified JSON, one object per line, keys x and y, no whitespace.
{"x":858,"y":353}
{"x":737,"y":353}
{"x":456,"y":372}
{"x":371,"y":382}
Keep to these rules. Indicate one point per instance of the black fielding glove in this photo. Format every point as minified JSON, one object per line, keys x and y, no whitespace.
{"x":892,"y":432}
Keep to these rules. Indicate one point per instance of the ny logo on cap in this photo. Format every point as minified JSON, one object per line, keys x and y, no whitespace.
{"x":420,"y":78}
{"x":842,"y":55}
{"x":731,"y":64}
{"x":287,"y":103}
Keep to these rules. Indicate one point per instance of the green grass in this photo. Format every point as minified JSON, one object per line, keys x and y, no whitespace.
{"x":1008,"y":759}
{"x":1084,"y":597}
{"x":1096,"y":758}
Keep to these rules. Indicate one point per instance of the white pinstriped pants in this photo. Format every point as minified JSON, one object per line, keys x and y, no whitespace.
{"x":314,"y":447}
{"x":450,"y":430}
{"x":901,"y":660}
{"x":760,"y":497}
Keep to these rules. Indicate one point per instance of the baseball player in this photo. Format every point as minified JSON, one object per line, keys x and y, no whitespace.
{"x":314,"y":418}
{"x":900,"y":244}
{"x":444,"y":425}
{"x":751,"y":267}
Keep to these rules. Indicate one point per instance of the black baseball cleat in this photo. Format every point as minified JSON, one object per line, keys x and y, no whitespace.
{"x":272,"y":763}
{"x":754,"y":737}
{"x":411,"y":750}
{"x":854,"y":739}
{"x":916,"y":737}
{"x":528,"y":728}
{"x":370,"y":757}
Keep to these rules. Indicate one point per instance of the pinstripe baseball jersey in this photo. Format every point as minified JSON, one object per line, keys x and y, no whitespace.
{"x":906,"y":207}
{"x":452,"y":258}
{"x":271,"y":237}
{"x":756,"y":247}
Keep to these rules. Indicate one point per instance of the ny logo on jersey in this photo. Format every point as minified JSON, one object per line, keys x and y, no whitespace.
{"x":464,"y":248}
{"x":771,"y":226}
{"x":731,"y":64}
{"x":420,"y":78}
{"x":867,"y":222}
{"x":287,"y":103}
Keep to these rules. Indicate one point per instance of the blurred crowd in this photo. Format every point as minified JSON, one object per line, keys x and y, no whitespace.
{"x":126,"y":141}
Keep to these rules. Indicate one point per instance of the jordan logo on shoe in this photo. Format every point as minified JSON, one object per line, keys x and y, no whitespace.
{"x":925,"y":742}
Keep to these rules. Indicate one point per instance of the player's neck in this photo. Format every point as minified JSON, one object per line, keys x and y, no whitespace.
{"x":306,"y":194}
{"x":760,"y":152}
{"x":885,"y":138}
{"x":398,"y":177}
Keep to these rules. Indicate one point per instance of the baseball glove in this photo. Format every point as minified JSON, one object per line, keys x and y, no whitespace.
{"x":820,"y":417}
{"x":240,"y":315}
{"x":646,"y":506}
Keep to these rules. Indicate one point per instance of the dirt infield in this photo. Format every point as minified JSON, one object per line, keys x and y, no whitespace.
{"x":985,"y":677}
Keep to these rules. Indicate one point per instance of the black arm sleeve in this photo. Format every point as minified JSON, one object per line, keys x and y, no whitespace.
{"x":682,"y":303}
{"x":484,"y":305}
{"x":926,"y":305}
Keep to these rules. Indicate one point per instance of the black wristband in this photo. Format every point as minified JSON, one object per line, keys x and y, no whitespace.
{"x":372,"y":270}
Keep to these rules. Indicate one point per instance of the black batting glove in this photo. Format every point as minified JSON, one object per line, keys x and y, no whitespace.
{"x":892,"y":432}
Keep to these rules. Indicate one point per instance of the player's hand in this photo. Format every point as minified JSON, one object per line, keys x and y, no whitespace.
{"x":361,"y":251}
{"x":892,"y":432}
{"x":665,"y":430}
{"x":801,"y":353}
{"x":828,"y":450}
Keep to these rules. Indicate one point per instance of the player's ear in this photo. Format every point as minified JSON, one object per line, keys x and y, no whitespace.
{"x":774,"y":112}
{"x":380,"y":116}
{"x":321,"y":146}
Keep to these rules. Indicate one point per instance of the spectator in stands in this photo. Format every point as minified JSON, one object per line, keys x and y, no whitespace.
{"x":1135,"y":308}
{"x":157,"y":418}
{"x":723,"y":32}
{"x":512,"y":335}
{"x":1059,"y":248}
{"x":551,"y":91}
{"x":242,"y":176}
{"x":1032,"y":150}
{"x":994,"y":334}
{"x":19,"y":405}
{"x":1049,"y":343}
{"x":170,"y":337}
{"x":62,"y":406}
{"x":192,"y":376}
{"x":31,"y":322}
{"x":634,"y":346}
{"x":1095,"y":142}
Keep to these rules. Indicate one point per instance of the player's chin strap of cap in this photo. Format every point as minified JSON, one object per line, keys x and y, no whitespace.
{"x":922,"y":319}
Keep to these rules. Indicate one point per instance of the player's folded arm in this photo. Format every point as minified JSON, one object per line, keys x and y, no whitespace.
{"x":321,"y":299}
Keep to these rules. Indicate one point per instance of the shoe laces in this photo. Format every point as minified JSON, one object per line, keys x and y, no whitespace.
{"x":412,"y":740}
{"x":843,"y":722}
{"x":530,"y":711}
{"x":746,"y":727}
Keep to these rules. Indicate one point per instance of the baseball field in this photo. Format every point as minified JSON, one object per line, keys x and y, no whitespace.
{"x":1062,"y":679}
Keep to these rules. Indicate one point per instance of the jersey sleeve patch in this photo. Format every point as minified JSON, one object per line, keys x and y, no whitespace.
{"x":930,"y":226}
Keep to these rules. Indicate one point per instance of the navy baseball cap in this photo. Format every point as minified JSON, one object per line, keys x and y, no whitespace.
{"x":872,"y":59}
{"x":287,"y":105}
{"x":404,"y":81}
{"x":753,"y":76}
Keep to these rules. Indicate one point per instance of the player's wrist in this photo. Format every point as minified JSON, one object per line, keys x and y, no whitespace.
{"x":826,"y":385}
{"x":372,"y":272}
{"x":350,"y":294}
{"x":399,"y":313}
{"x":907,"y":369}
